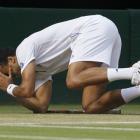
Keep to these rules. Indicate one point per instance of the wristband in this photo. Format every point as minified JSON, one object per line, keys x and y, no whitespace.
{"x":10,"y":89}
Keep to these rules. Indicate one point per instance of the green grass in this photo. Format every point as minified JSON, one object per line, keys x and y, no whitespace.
{"x":126,"y":109}
{"x":18,"y":123}
{"x":71,"y":133}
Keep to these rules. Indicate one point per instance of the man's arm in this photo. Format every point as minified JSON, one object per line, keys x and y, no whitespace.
{"x":40,"y":101}
{"x":27,"y":86}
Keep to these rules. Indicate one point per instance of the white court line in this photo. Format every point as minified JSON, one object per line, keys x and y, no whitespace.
{"x":70,"y":127}
{"x":71,"y":123}
{"x":89,"y":122}
{"x":44,"y":137}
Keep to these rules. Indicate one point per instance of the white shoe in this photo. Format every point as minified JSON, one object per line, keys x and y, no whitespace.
{"x":136,"y":65}
{"x":136,"y":75}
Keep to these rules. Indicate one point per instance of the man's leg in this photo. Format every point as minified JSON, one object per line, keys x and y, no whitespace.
{"x":85,"y":75}
{"x":96,"y":99}
{"x":92,"y":94}
{"x":40,"y":102}
{"x":82,"y":74}
{"x":113,"y":99}
{"x":106,"y":101}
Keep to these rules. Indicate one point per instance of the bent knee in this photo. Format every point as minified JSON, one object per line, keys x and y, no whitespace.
{"x":95,"y":108}
{"x":73,"y":83}
{"x":87,"y":108}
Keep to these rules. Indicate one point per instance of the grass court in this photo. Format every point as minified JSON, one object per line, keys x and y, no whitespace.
{"x":18,"y":123}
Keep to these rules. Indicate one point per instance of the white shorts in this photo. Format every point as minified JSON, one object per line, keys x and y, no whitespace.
{"x":98,"y":41}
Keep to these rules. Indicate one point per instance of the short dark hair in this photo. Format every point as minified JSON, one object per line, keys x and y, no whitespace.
{"x":4,"y":53}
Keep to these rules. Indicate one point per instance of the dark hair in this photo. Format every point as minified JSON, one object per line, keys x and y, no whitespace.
{"x":4,"y":53}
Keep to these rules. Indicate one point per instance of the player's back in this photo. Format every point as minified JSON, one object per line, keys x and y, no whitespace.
{"x":51,"y":46}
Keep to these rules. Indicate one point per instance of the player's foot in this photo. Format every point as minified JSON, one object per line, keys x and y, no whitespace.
{"x":136,"y":74}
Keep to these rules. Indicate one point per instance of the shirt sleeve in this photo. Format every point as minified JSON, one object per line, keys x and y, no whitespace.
{"x":25,"y":53}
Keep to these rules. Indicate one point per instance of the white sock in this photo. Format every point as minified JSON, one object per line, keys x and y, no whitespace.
{"x":131,"y":93}
{"x":114,"y":74}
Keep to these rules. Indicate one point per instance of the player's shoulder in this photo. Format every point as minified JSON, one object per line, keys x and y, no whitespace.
{"x":25,"y":44}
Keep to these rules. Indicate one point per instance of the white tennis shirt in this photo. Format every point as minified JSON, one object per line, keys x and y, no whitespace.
{"x":50,"y":48}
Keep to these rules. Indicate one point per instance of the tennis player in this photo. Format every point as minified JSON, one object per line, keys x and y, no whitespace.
{"x":88,"y":46}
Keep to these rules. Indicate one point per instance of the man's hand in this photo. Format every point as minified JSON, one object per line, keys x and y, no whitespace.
{"x":5,"y":80}
{"x":27,"y":86}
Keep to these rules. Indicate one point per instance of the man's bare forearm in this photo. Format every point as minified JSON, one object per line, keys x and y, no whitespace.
{"x":21,"y":91}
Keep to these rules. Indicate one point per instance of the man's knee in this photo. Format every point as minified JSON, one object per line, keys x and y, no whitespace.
{"x":73,"y":82}
{"x":95,"y":108}
{"x":85,"y":108}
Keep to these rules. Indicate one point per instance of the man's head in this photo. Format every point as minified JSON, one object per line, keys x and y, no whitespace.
{"x":8,"y":60}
